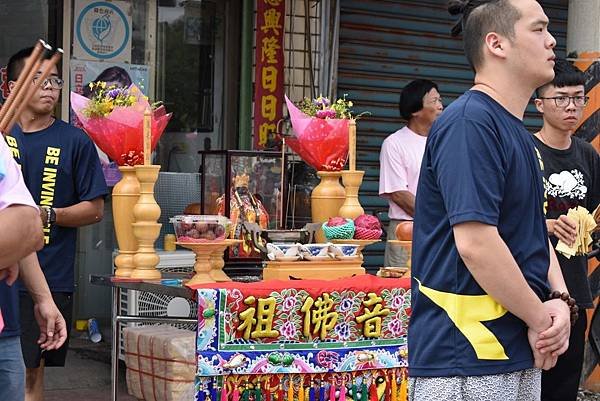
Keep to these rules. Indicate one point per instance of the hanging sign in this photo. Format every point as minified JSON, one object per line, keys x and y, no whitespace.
{"x":268,"y":94}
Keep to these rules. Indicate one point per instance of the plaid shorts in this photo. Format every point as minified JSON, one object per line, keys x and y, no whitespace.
{"x":523,"y":385}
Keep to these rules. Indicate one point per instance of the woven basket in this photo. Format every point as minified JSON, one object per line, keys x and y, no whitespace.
{"x":367,"y":233}
{"x":345,"y":231}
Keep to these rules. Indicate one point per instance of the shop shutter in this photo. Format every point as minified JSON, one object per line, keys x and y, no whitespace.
{"x":386,"y":44}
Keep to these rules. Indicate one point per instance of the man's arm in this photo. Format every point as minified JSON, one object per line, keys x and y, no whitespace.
{"x":80,"y":214}
{"x":405,"y":200}
{"x":558,"y":309}
{"x":492,"y":265}
{"x":21,"y":234}
{"x":53,"y":329}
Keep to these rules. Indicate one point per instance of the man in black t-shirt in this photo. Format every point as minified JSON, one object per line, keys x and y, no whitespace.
{"x":571,"y":179}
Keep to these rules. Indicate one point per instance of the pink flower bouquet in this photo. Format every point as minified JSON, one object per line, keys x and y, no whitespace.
{"x":320,"y":133}
{"x":114,"y":118}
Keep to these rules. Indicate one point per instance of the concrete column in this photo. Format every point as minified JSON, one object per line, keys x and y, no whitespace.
{"x":583,"y":37}
{"x":583,"y":29}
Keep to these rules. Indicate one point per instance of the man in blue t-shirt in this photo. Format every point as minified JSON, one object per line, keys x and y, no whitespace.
{"x":21,"y":237}
{"x":481,"y":325}
{"x":62,"y":171}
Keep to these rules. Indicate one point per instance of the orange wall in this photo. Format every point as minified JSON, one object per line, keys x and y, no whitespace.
{"x":583,"y":63}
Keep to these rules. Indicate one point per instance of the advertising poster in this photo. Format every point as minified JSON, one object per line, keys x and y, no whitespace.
{"x":102,"y":30}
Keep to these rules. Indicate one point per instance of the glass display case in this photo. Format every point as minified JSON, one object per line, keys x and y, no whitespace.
{"x":245,"y":186}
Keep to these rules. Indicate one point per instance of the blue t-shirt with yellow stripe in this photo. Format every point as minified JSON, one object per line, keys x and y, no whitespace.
{"x":480,"y":165}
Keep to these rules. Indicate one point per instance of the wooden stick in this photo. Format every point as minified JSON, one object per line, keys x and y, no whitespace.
{"x":352,"y":144}
{"x":281,"y":190}
{"x":16,"y":94}
{"x":33,"y":88}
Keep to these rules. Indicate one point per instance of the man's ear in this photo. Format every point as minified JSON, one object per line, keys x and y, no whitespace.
{"x":539,"y":105}
{"x":494,"y":43}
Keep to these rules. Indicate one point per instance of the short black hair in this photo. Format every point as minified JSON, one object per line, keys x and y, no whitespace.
{"x":480,"y":17}
{"x":411,"y":98}
{"x":565,"y":74}
{"x":16,"y":62}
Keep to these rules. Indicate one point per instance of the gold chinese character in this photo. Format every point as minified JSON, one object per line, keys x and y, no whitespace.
{"x":263,"y":132}
{"x":264,"y":324}
{"x":258,"y":322}
{"x":273,"y":3}
{"x":269,"y":50}
{"x":268,"y":107}
{"x":272,"y":17}
{"x":269,"y":78}
{"x":247,"y":316}
{"x":322,"y":317}
{"x":372,"y":319}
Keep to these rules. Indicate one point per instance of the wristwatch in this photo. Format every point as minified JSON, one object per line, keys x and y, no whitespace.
{"x":50,"y":216}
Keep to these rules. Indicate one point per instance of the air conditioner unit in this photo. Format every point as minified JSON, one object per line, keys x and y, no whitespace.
{"x":139,"y":303}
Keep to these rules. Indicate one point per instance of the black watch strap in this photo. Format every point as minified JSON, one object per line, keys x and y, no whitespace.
{"x":51,"y":216}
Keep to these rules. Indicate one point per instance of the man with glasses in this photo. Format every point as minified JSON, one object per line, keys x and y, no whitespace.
{"x":62,"y":171}
{"x":400,"y":158}
{"x":571,"y":179}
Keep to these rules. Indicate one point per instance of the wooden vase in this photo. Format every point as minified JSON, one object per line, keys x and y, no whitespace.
{"x":124,"y":197}
{"x":146,"y":211}
{"x":326,"y":199}
{"x":351,"y":207}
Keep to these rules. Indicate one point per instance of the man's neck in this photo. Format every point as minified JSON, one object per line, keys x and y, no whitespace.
{"x":554,"y":138}
{"x":514,"y":98}
{"x":32,"y":122}
{"x":418,"y":127}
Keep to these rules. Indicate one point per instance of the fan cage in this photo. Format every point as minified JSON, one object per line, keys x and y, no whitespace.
{"x":141,"y":303}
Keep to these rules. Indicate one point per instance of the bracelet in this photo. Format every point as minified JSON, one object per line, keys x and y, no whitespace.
{"x":570,"y":302}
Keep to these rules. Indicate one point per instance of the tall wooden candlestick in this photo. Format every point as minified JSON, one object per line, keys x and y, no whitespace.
{"x":352,"y":144}
{"x":147,"y":137}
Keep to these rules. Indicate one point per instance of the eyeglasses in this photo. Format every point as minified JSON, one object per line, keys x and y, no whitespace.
{"x":563,"y":101}
{"x":54,"y":82}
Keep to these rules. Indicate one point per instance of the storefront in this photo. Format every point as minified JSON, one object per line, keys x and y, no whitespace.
{"x":197,"y":57}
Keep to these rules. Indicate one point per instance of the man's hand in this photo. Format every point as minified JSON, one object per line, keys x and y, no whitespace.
{"x":540,"y":361}
{"x":10,"y":274}
{"x":563,"y":228}
{"x":555,"y":340}
{"x":53,"y":328}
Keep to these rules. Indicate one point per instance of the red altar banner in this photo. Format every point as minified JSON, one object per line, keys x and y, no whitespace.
{"x":268,"y":82}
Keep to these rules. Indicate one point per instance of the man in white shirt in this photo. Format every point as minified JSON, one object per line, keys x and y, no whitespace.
{"x":400,"y":158}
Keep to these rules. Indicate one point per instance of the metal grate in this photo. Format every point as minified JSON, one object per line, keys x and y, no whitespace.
{"x":140,"y":303}
{"x":173,"y":192}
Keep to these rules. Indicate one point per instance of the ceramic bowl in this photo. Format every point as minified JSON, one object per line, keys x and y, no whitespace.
{"x":284,"y":249}
{"x":344,"y":250}
{"x":312,"y":251}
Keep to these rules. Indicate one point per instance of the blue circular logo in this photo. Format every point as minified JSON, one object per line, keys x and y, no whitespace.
{"x":101,"y":27}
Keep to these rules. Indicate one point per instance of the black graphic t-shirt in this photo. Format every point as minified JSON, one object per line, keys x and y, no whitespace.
{"x":571,"y":179}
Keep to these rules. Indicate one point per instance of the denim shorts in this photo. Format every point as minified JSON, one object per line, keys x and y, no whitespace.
{"x":12,"y":369}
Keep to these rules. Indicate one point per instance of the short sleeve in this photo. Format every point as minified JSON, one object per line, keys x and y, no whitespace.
{"x":392,"y":172}
{"x":469,"y":165}
{"x":90,"y":183}
{"x":595,"y":191}
{"x":12,"y":187}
